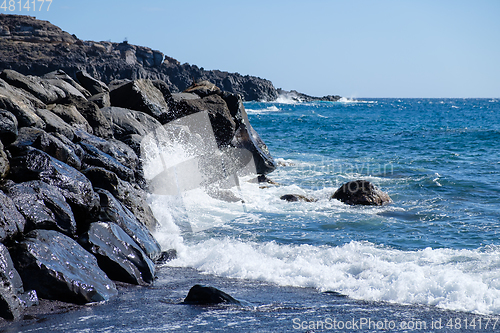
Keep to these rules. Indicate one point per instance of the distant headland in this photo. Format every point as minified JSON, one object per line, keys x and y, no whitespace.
{"x":35,"y":47}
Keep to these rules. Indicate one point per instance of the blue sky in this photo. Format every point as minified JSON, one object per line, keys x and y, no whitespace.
{"x":356,"y":48}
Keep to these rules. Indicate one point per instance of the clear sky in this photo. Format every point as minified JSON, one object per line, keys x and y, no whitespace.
{"x":355,"y":48}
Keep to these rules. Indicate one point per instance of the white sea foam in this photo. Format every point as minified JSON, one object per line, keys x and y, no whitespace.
{"x":272,"y":108}
{"x":464,"y":280}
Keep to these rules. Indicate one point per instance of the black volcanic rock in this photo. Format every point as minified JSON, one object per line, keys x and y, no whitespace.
{"x":361,"y":192}
{"x":40,"y":88}
{"x":296,"y":197}
{"x":205,"y":295}
{"x":11,"y":286}
{"x":246,"y":137}
{"x":131,"y":196}
{"x":34,"y":164}
{"x":8,"y":127}
{"x":59,"y":147}
{"x":54,"y":123}
{"x":93,"y":85}
{"x":57,"y":267}
{"x":140,"y":95}
{"x":114,"y":211}
{"x":42,"y":205}
{"x":117,"y":254}
{"x":4,"y":162}
{"x":22,"y":107}
{"x":11,"y":221}
{"x":92,"y":113}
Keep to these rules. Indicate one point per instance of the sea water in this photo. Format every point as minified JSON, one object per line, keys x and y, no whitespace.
{"x":429,"y":261}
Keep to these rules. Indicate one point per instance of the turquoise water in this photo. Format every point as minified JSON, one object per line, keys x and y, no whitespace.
{"x":433,"y":255}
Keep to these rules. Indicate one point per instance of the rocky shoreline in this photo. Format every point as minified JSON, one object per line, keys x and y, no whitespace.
{"x":73,"y":197}
{"x":74,"y":216}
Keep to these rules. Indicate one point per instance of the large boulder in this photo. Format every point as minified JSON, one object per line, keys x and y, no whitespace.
{"x":95,"y":157}
{"x":55,"y":77}
{"x":42,"y":205}
{"x":115,"y":148}
{"x":205,"y":295}
{"x":114,"y":211}
{"x":102,"y":100}
{"x":8,"y":127}
{"x":247,"y":138}
{"x":140,"y":95}
{"x":71,"y":115}
{"x":33,"y":164}
{"x":13,"y":298}
{"x":58,"y":268}
{"x":20,"y":105}
{"x":11,"y":221}
{"x":220,"y":117}
{"x":41,"y":89}
{"x":93,"y":85}
{"x":361,"y":192}
{"x":92,"y":113}
{"x":55,"y":124}
{"x":117,"y":254}
{"x":125,"y":122}
{"x":11,"y":286}
{"x":131,"y":196}
{"x":59,"y":147}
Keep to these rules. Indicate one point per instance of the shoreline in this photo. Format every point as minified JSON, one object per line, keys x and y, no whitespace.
{"x":162,"y":304}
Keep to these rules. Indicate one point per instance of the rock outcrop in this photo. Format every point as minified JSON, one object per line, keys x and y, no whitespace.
{"x":35,"y":47}
{"x":74,"y":214}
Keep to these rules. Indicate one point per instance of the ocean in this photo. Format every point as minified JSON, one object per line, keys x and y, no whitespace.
{"x":430,"y":261}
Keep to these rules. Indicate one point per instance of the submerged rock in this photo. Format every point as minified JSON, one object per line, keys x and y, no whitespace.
{"x":118,"y":255}
{"x":297,"y":197}
{"x":166,"y":256}
{"x":204,"y":295}
{"x":58,"y":268}
{"x":361,"y":192}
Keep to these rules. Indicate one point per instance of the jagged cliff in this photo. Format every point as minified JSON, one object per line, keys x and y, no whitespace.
{"x":36,"y":47}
